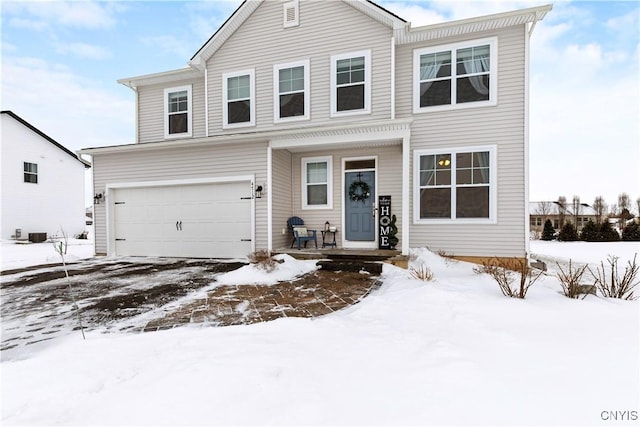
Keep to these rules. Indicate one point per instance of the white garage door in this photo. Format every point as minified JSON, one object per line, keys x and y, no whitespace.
{"x":201,"y":221}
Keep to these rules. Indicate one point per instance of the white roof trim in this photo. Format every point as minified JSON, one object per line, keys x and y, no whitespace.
{"x":163,"y":77}
{"x":472,"y":25}
{"x":385,"y":129}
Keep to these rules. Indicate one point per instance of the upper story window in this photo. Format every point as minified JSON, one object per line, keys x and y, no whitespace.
{"x":177,"y":112}
{"x":455,"y":76}
{"x":455,"y":185}
{"x":31,"y":172}
{"x":238,"y":99}
{"x":351,"y":83}
{"x":317,"y":188}
{"x":291,"y":91}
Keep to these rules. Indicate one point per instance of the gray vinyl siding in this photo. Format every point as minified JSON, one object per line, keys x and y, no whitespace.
{"x":501,"y":125}
{"x":181,"y":163}
{"x":389,"y":174}
{"x":151,"y":110}
{"x":282,"y":207}
{"x":326,"y":28}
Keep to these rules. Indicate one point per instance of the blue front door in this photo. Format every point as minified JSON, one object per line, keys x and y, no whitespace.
{"x":359,"y":226}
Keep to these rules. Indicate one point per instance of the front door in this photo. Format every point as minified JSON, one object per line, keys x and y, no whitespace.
{"x":360,"y":228}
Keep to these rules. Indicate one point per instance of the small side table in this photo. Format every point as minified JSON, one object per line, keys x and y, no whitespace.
{"x":329,"y":238}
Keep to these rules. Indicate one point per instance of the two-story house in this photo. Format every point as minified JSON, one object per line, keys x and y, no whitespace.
{"x":316,"y":109}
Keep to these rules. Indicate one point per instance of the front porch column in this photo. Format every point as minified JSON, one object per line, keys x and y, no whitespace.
{"x":269,"y":197}
{"x":406,"y":194}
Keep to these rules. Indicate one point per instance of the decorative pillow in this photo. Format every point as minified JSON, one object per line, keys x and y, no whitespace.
{"x":300,"y":231}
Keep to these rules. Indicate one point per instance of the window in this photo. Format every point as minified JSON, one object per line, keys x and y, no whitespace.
{"x":31,"y":172}
{"x":317,"y":186}
{"x":291,"y":89}
{"x":455,"y":185}
{"x":177,"y":112}
{"x":455,"y":76}
{"x":238,"y":99}
{"x":351,"y":83}
{"x":291,"y":12}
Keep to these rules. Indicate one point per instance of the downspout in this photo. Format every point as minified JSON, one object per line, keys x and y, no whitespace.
{"x":527,"y":226}
{"x":206,"y":100}
{"x":393,"y":77}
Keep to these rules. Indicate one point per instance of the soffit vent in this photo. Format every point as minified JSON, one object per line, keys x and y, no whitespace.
{"x":291,"y":14}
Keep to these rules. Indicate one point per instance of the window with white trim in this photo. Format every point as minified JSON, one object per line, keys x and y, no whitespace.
{"x":238,"y":89}
{"x":351,"y":83}
{"x":31,"y":172}
{"x":455,"y":76}
{"x":177,"y":112}
{"x":291,"y":91}
{"x":457,"y":184}
{"x":317,"y":188}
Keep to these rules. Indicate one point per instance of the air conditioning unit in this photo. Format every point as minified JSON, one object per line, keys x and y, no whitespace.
{"x":18,"y":233}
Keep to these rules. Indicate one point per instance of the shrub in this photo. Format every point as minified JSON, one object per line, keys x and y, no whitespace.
{"x":607,"y":233}
{"x":570,"y":280}
{"x":568,"y":233}
{"x":504,"y":271}
{"x":611,"y":285}
{"x":590,"y":232}
{"x":631,"y":233}
{"x":548,"y":233}
{"x":264,"y":259}
{"x":421,"y":272}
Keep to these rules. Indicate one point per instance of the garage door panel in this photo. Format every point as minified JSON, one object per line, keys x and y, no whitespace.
{"x":213,"y":221}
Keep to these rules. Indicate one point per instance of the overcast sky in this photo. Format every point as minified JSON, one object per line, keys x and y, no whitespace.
{"x":61,"y":60}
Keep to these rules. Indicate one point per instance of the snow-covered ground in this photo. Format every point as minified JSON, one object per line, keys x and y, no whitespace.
{"x":19,"y":255}
{"x":452,"y":351}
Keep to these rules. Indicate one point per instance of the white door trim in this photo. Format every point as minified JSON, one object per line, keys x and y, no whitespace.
{"x":353,"y":244}
{"x":111,"y":187}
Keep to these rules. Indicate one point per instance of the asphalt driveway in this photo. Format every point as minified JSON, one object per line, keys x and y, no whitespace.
{"x":148,"y":294}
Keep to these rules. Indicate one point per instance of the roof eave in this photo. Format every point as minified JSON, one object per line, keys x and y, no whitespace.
{"x":158,"y":78}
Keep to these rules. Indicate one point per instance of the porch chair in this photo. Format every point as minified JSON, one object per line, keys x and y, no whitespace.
{"x":300,"y":233}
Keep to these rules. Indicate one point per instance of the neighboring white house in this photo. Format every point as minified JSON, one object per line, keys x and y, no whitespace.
{"x":42,"y":187}
{"x":313,"y":102}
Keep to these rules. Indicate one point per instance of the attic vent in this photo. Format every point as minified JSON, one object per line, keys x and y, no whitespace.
{"x":291,"y":14}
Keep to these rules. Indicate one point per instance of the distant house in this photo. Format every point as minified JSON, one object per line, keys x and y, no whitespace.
{"x":322,"y":110}
{"x":42,"y":182}
{"x":539,"y":212}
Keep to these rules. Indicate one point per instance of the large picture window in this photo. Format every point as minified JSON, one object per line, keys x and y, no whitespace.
{"x":238,"y":99}
{"x":317,"y":186}
{"x":291,"y":90}
{"x":455,"y":184}
{"x":455,"y":76}
{"x":351,"y":83}
{"x":178,"y":112}
{"x":31,"y":172}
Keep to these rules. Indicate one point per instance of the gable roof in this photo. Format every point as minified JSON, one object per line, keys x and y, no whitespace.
{"x":45,"y":136}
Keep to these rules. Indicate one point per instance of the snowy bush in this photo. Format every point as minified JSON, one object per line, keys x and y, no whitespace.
{"x":505,"y":271}
{"x":570,"y":280}
{"x":611,"y":285}
{"x":421,"y":272}
{"x":264,"y":259}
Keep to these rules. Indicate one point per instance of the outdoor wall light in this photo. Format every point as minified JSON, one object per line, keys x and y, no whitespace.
{"x":258,"y":192}
{"x":97,"y":198}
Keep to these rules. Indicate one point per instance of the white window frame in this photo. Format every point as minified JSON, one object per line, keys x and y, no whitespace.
{"x":276,"y":92}
{"x":367,"y":83}
{"x":307,"y":160}
{"x":286,"y":7}
{"x":189,"y":132}
{"x":252,"y":99}
{"x":493,"y":185}
{"x":453,"y":47}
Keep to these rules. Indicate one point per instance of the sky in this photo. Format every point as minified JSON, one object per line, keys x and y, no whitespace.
{"x":61,"y":61}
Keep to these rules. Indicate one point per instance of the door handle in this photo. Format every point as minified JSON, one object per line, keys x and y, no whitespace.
{"x":177,"y":229}
{"x":373,"y":209}
{"x":180,"y":225}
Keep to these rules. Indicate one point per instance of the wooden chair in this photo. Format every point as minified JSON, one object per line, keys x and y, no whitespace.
{"x":300,"y":233}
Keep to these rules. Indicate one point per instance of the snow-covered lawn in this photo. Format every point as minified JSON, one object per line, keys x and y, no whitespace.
{"x":453,"y":351}
{"x":19,"y":255}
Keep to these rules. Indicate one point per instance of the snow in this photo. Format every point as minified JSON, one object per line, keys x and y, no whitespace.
{"x":19,"y":255}
{"x":452,"y":351}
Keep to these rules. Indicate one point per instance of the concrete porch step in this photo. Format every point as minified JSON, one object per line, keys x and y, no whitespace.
{"x":374,"y":268}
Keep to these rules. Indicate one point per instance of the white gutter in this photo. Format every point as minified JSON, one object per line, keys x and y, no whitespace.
{"x":393,"y":77}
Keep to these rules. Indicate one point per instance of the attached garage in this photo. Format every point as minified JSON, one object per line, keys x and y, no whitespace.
{"x":197,"y":219}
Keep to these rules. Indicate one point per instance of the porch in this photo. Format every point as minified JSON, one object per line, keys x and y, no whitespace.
{"x":349,"y":259}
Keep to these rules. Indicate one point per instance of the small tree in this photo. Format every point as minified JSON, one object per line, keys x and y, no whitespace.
{"x":600,"y":208}
{"x":607,"y":233}
{"x":548,"y":233}
{"x":577,"y":207}
{"x":568,"y":233}
{"x":631,"y":233}
{"x":590,"y":232}
{"x":562,"y":210}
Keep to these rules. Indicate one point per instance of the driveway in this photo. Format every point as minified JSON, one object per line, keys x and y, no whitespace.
{"x":142,"y":294}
